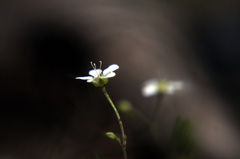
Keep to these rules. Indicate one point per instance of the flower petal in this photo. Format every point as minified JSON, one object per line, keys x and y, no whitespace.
{"x":85,"y":78}
{"x":95,"y":73}
{"x":111,"y":68}
{"x":110,"y":75}
{"x":174,"y":86}
{"x":95,"y":79}
{"x":150,"y":88}
{"x":90,"y":80}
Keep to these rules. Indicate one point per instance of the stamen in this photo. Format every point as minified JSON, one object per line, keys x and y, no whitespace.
{"x":93,"y":65}
{"x":95,"y":68}
{"x":100,"y":65}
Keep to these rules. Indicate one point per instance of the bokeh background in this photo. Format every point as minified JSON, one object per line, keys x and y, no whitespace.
{"x":46,"y":114}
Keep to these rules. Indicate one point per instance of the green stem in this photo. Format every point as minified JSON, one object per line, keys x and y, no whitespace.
{"x":157,"y":107}
{"x":124,"y":137}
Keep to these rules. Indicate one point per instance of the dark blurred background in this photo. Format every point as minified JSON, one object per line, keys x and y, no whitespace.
{"x":46,"y":114}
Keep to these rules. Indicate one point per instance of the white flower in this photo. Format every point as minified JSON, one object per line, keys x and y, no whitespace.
{"x":154,"y":86}
{"x":98,"y":77}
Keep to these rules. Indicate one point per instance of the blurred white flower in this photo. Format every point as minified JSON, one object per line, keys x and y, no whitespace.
{"x":98,"y":77}
{"x":153,"y":87}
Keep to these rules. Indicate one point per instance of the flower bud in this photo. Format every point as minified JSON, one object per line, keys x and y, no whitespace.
{"x":112,"y":136}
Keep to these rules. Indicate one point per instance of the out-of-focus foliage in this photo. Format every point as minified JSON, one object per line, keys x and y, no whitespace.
{"x":182,"y":138}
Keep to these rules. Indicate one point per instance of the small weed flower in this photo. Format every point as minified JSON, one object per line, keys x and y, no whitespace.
{"x":98,"y":77}
{"x":154,"y":87}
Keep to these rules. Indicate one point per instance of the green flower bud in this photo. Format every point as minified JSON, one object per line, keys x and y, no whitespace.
{"x":112,"y":136}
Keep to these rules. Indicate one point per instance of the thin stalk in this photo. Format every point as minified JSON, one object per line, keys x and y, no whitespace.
{"x":157,"y":106}
{"x":124,"y":137}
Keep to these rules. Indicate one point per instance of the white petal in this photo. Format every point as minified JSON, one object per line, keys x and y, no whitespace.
{"x":95,"y":73}
{"x":85,"y":78}
{"x":177,"y":84}
{"x":110,"y":75}
{"x":90,"y":80}
{"x":174,"y":86}
{"x":170,"y":89}
{"x":111,"y":68}
{"x":150,"y":88}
